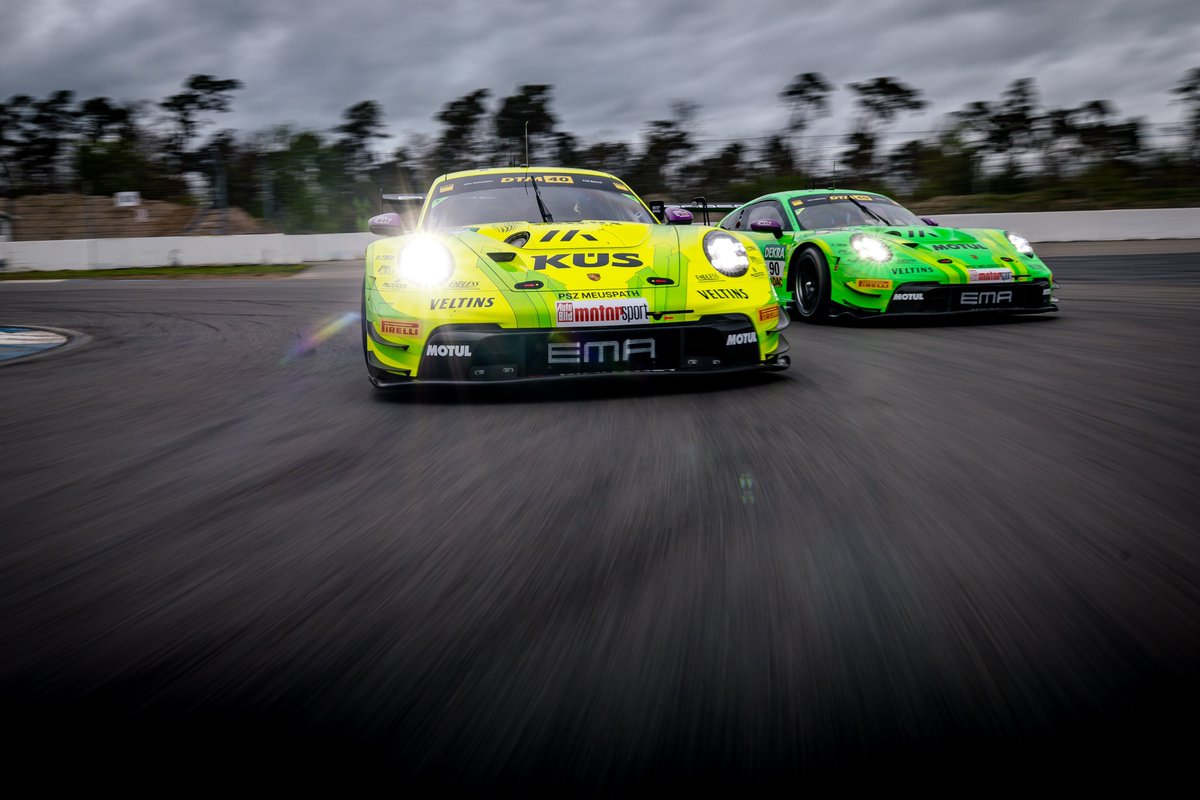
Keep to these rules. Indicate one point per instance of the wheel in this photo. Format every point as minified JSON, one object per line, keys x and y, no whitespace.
{"x":810,"y":287}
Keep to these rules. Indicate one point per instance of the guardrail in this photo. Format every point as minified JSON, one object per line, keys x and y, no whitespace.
{"x":269,"y":248}
{"x":1088,"y":226}
{"x":278,"y":248}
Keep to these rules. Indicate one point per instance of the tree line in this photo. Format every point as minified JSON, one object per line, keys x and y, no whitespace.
{"x":302,"y":180}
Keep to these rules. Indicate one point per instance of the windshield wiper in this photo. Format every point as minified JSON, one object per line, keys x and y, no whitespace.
{"x":542,"y":209}
{"x":869,"y":211}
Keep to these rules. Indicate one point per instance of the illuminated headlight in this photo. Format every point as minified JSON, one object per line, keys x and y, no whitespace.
{"x":1021,"y":243}
{"x":425,"y":261}
{"x":870,"y":248}
{"x":726,"y":254}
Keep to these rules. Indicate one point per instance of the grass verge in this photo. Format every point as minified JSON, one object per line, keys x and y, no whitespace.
{"x":233,"y":270}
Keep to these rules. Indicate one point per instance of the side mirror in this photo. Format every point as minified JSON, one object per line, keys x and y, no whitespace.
{"x":389,"y":224}
{"x":770,"y":226}
{"x":929,"y":221}
{"x":677,"y":216}
{"x":657,"y":208}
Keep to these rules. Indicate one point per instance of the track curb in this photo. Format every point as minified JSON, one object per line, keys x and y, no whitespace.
{"x":75,"y":340}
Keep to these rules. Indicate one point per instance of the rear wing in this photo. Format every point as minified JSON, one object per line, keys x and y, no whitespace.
{"x":696,"y":205}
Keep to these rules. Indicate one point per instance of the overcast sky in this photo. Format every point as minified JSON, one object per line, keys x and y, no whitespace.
{"x":614,"y":64}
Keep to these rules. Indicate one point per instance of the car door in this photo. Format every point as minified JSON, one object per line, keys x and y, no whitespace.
{"x":775,"y":251}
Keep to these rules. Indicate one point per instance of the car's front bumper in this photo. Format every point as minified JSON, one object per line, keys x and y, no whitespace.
{"x":491,"y":354}
{"x":931,"y":299}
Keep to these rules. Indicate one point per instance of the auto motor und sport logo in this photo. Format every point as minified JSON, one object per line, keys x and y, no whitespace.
{"x":990,"y":275}
{"x":588,"y":313}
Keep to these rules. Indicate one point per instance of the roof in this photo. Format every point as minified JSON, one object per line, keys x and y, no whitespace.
{"x":504,"y":170}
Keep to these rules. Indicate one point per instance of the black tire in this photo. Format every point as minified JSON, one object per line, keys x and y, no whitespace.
{"x":810,"y":285}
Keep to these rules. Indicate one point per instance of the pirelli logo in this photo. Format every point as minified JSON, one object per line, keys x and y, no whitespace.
{"x":398,"y":327}
{"x":869,"y":283}
{"x":768,"y":313}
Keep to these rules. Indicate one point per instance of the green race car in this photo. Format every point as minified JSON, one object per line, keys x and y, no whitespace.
{"x":837,"y":252}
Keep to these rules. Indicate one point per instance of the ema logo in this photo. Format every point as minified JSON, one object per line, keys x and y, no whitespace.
{"x":599,"y":352}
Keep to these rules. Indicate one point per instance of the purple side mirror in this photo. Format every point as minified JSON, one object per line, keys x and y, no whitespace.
{"x":677,"y":216}
{"x":389,"y":224}
{"x":929,"y":221}
{"x":770,"y":226}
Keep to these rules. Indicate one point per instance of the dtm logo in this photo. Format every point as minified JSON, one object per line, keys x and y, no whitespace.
{"x":741,"y":338}
{"x":449,"y":350}
{"x":598,"y":352}
{"x":908,"y":296}
{"x":985,"y":298}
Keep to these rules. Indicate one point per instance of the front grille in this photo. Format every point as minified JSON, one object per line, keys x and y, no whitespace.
{"x":932,"y":298}
{"x":462,"y":353}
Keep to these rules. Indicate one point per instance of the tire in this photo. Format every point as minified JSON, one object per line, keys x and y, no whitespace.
{"x":810,"y":285}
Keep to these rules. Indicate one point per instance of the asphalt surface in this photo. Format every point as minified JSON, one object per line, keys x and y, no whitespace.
{"x":929,"y":552}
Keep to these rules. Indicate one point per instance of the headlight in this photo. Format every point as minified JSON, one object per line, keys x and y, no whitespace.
{"x":726,"y":254}
{"x":1021,"y":243}
{"x":870,"y":248}
{"x":425,"y":261}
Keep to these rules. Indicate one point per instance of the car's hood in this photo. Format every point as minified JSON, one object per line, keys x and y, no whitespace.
{"x":940,"y":239}
{"x":568,"y":270}
{"x":585,"y":256}
{"x":958,"y":252}
{"x":565,"y":236}
{"x":924,"y":234}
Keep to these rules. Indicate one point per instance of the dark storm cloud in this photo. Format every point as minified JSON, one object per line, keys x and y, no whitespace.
{"x":614,"y":65}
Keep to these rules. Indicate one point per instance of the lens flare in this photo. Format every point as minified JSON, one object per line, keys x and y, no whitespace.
{"x":310,"y":342}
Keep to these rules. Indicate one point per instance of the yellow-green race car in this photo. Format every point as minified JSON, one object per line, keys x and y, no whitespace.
{"x":531,"y":273}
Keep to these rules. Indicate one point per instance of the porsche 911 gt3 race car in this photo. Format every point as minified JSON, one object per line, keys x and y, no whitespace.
{"x":526,"y":273}
{"x":837,"y":252}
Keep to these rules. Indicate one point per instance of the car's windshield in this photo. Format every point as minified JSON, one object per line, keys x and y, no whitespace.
{"x":844,"y":211}
{"x":484,"y":199}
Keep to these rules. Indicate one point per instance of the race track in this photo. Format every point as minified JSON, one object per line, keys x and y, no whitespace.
{"x":928,"y":549}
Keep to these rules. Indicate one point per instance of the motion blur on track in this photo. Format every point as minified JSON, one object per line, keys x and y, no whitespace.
{"x":951,"y":552}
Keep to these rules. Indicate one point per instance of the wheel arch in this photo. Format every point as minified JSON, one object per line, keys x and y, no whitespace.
{"x":812,"y":244}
